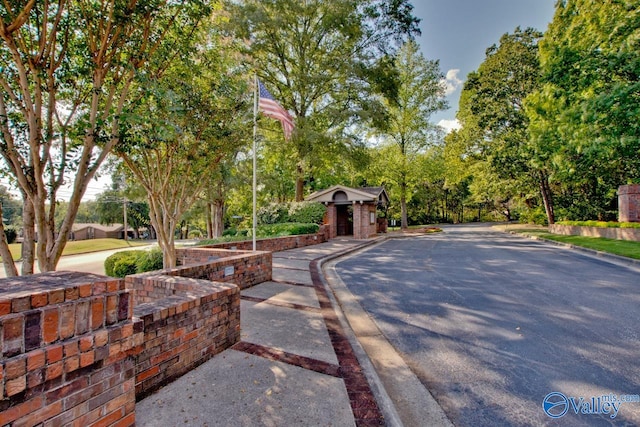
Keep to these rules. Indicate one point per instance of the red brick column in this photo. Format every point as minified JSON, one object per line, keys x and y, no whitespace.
{"x":360,"y":224}
{"x":372,"y":225}
{"x":332,"y":220}
{"x":629,"y":203}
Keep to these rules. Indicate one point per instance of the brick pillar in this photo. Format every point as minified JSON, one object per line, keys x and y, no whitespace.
{"x":371,"y":226}
{"x":358,"y":224}
{"x":332,"y":220}
{"x":629,"y":203}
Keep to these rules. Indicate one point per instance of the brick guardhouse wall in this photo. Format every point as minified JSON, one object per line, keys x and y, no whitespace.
{"x":80,"y":348}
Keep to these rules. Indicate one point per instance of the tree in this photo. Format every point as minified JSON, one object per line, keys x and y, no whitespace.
{"x":67,"y":72}
{"x":584,"y":117}
{"x":187,"y":124}
{"x":7,"y":258}
{"x":110,"y":207}
{"x":11,"y":208}
{"x":409,"y":132}
{"x":322,"y":61}
{"x":493,"y":145}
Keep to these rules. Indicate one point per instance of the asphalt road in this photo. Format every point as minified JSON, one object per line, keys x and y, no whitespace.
{"x":492,"y":324}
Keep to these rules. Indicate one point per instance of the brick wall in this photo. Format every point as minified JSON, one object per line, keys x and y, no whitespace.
{"x":277,"y":244}
{"x":190,"y":321}
{"x":191,"y":312}
{"x":244,"y":268}
{"x":80,"y":348}
{"x":68,"y":346}
{"x":362,"y":226}
{"x":632,"y":234}
{"x":629,"y":203}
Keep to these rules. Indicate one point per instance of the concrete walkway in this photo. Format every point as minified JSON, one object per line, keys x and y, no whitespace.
{"x":298,"y":362}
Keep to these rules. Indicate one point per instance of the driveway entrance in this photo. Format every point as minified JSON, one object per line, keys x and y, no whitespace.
{"x":492,"y":324}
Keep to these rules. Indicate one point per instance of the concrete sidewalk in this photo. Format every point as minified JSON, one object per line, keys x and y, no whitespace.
{"x":298,"y":362}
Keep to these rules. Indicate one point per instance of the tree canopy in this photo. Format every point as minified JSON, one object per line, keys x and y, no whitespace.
{"x":408,"y":131}
{"x":66,"y":77}
{"x":584,"y":118}
{"x":493,"y":144}
{"x":185,"y":125}
{"x":322,"y":61}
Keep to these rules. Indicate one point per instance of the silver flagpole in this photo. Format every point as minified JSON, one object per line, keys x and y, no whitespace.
{"x":255,"y":137}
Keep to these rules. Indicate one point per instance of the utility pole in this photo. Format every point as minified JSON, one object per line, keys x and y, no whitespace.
{"x":125,"y":219}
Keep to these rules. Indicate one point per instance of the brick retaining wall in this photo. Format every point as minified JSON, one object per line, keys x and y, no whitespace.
{"x":277,"y":244}
{"x":244,"y":268}
{"x":609,"y":233}
{"x":68,"y":346}
{"x":80,"y":348}
{"x":191,"y":312}
{"x":196,"y":321}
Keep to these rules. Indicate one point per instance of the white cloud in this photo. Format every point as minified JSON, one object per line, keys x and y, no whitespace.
{"x":449,"y":125}
{"x":451,"y":82}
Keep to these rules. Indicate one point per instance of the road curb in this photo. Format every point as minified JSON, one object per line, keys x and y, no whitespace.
{"x":372,"y":349}
{"x":616,"y":259}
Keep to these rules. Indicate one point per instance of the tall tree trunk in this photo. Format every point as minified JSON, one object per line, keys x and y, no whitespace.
{"x":208,"y":214}
{"x":7,"y":259}
{"x":403,"y":205}
{"x":28,"y":236}
{"x":218,"y":218}
{"x":547,"y":198}
{"x":165,"y":227}
{"x":299,"y":183}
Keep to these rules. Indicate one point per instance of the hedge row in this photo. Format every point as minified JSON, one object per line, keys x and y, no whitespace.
{"x":267,"y":230}
{"x":294,"y":212}
{"x":601,"y":224}
{"x":124,"y":263}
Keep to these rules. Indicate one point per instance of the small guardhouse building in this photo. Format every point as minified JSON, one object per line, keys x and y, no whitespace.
{"x":352,"y":211}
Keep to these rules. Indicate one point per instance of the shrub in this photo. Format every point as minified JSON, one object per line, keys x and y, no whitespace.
{"x":287,"y":229}
{"x":602,"y":224}
{"x":124,"y":267}
{"x":223,"y":239}
{"x":149,"y":261}
{"x":124,"y":263}
{"x":230,"y":232}
{"x":534,"y":216}
{"x":307,"y":212}
{"x":11,"y":234}
{"x":273,"y":213}
{"x":268,"y":230}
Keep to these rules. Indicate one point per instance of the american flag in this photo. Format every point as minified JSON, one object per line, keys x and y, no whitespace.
{"x":271,"y":108}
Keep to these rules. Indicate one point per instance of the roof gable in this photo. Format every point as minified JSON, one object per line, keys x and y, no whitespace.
{"x":366,"y":194}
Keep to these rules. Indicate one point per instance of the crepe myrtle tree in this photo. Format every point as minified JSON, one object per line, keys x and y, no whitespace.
{"x":67,"y":69}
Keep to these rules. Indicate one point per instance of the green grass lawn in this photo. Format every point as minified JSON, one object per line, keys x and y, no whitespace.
{"x":624,"y":248}
{"x":84,"y":246}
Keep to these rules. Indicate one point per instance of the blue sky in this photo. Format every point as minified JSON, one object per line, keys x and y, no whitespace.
{"x":458,"y":32}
